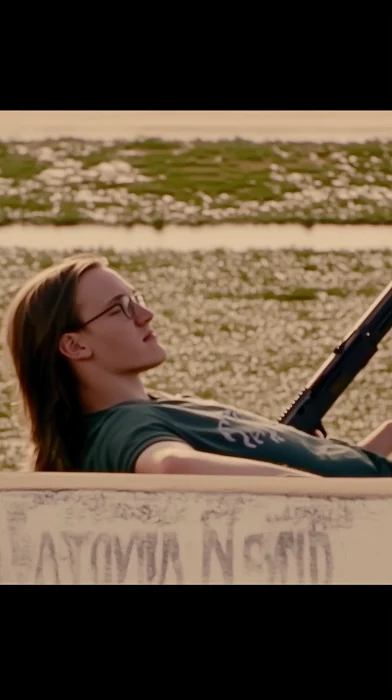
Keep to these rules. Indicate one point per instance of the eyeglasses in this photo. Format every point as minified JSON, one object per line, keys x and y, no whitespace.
{"x":125,"y":302}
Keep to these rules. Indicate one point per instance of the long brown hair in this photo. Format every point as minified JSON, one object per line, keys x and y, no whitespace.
{"x":42,"y":310}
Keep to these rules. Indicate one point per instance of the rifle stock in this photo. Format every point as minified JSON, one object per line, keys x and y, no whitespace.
{"x":341,"y":367}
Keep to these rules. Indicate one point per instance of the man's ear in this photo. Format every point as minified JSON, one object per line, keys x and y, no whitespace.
{"x":73,"y":348}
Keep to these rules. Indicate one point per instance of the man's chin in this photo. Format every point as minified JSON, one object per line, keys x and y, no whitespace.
{"x":160,"y":356}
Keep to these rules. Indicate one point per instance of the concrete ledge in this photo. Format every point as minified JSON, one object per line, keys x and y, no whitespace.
{"x":113,"y":529}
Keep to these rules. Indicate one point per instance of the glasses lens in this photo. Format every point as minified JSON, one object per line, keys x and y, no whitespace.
{"x":139,"y":299}
{"x":128,"y":303}
{"x":127,"y":306}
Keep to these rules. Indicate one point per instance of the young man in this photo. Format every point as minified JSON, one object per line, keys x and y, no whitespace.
{"x":80,"y":338}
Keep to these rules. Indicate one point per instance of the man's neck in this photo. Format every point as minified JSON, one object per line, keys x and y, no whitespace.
{"x":112,"y":391}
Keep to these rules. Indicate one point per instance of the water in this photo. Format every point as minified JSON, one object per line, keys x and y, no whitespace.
{"x":239,"y":237}
{"x":338,"y":126}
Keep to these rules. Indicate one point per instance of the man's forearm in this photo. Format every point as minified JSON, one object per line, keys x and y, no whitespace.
{"x":380,"y":440}
{"x":195,"y":462}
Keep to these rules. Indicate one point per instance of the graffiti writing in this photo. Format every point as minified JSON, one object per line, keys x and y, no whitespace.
{"x":282,"y":558}
{"x":108,"y":558}
{"x":215,"y":547}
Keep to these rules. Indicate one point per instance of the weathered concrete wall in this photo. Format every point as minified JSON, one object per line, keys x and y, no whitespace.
{"x":70,"y":529}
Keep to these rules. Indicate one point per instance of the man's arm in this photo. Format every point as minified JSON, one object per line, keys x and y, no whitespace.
{"x":380,"y":440}
{"x":180,"y":458}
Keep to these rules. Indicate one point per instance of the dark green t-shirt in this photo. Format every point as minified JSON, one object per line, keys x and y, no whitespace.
{"x":117,"y":436}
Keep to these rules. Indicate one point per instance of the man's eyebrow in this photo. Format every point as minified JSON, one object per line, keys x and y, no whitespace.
{"x":114,"y":299}
{"x":117,"y":297}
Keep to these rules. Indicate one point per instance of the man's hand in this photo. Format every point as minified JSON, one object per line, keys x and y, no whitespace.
{"x":317,"y":433}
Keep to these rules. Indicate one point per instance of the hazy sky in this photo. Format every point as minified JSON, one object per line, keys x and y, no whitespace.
{"x":256,"y":125}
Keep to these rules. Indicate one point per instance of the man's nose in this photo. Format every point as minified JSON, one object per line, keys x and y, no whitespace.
{"x":143,"y":314}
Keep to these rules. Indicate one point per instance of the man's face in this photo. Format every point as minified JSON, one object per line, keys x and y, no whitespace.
{"x":118,"y":344}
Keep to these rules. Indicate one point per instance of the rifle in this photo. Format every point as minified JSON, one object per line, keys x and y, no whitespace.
{"x":341,"y":367}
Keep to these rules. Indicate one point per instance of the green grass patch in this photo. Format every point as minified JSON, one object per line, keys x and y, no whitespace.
{"x":18,"y":167}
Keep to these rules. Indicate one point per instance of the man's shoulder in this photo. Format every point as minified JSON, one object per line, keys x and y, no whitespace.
{"x":112,"y":435}
{"x":124,"y":410}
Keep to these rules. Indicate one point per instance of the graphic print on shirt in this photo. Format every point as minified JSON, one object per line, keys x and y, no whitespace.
{"x":229,"y":427}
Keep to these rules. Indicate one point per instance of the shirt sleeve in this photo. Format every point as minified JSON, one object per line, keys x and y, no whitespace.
{"x":127,"y":434}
